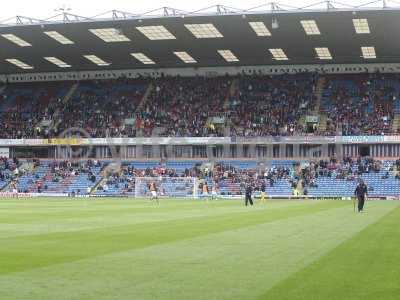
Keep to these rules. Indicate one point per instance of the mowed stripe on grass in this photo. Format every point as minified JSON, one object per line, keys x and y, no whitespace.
{"x":364,"y":267}
{"x":59,"y":247}
{"x":236,"y":255}
{"x":22,"y":218}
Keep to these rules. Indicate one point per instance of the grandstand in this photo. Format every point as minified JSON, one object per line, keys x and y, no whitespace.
{"x":300,"y":103}
{"x":250,"y":106}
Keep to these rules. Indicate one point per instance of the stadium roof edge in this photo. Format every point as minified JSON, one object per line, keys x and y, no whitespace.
{"x":169,"y":12}
{"x":203,"y":71}
{"x":346,"y":32}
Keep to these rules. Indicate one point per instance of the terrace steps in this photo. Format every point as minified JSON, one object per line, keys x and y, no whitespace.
{"x":46,"y":176}
{"x":317,"y":95}
{"x":104,"y":177}
{"x":99,"y":183}
{"x":142,"y":104}
{"x":322,"y":122}
{"x":71,"y":92}
{"x":145,"y":97}
{"x":6,"y":187}
{"x":62,"y":185}
{"x":302,"y":120}
{"x":231,"y":93}
{"x":64,"y":101}
{"x":396,"y":123}
{"x":319,"y":89}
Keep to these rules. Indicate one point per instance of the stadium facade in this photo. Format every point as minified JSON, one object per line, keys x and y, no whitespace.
{"x":247,"y":34}
{"x":282,"y":85}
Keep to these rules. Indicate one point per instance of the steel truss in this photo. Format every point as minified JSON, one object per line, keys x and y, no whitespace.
{"x":64,"y":16}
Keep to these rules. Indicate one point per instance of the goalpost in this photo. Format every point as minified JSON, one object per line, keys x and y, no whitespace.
{"x":184,"y":187}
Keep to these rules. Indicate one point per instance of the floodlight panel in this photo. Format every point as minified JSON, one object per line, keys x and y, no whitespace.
{"x":59,"y":37}
{"x":228,"y":55}
{"x":310,"y":27}
{"x":368,"y":52}
{"x":20,"y":64}
{"x":156,"y":32}
{"x":323,"y":53}
{"x":260,"y":29}
{"x":143,"y":58}
{"x":96,"y":60}
{"x":16,"y":40}
{"x":110,"y":35}
{"x":278,"y":54}
{"x":361,"y":26}
{"x":58,"y":62}
{"x":204,"y":31}
{"x":185,"y":57}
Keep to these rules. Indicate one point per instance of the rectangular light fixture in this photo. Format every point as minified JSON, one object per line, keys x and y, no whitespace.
{"x":110,"y":35}
{"x":260,"y":29}
{"x":19,"y":63}
{"x":204,"y":31}
{"x":58,"y":62}
{"x":185,"y":57}
{"x":143,"y":58}
{"x":310,"y":27}
{"x":368,"y":52}
{"x":361,"y":26}
{"x":16,"y":40}
{"x":228,"y":55}
{"x":156,"y":32}
{"x":278,"y":54}
{"x":323,"y":53}
{"x":59,"y":37}
{"x":96,"y":60}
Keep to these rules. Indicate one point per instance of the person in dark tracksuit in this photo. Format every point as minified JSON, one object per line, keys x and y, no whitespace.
{"x":262,"y":195}
{"x":249,"y":190}
{"x":361,"y":191}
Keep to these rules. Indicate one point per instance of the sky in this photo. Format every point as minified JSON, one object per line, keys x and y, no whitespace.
{"x":88,"y":8}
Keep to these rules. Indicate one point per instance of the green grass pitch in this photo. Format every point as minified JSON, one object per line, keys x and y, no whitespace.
{"x":186,"y":249}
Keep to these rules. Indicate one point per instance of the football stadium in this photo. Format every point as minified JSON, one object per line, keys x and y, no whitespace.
{"x":218,"y":153}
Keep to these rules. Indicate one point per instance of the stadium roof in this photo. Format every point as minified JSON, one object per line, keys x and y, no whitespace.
{"x":228,"y":37}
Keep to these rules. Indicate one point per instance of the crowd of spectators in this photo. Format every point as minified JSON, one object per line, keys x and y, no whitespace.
{"x":361,"y":104}
{"x":8,"y":168}
{"x":60,"y":170}
{"x":257,"y":177}
{"x":271,"y":105}
{"x":183,"y":106}
{"x":304,"y":175}
{"x":349,"y":169}
{"x":56,"y":172}
{"x":125,"y":176}
{"x":242,"y":105}
{"x":103,"y":107}
{"x":24,"y":106}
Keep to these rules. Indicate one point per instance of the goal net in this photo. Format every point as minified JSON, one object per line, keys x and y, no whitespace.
{"x":167,"y":186}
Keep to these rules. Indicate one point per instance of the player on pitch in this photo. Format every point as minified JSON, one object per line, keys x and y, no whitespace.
{"x":248,"y":192}
{"x":361,"y":192}
{"x":206,"y":192}
{"x":153,"y":192}
{"x":214,"y":191}
{"x":263,"y":194}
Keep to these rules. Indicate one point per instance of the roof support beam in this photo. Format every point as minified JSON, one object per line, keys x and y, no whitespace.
{"x":22,"y":20}
{"x":64,"y":16}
